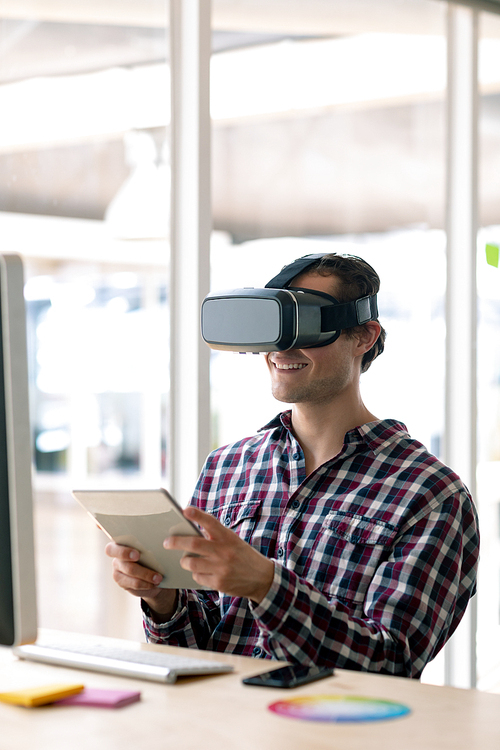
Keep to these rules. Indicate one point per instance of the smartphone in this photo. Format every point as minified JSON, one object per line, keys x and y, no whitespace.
{"x":289,"y":677}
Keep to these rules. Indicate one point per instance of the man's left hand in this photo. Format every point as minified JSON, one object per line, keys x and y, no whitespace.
{"x":223,"y":561}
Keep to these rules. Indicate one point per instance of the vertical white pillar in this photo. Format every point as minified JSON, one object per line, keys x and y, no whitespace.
{"x":190,"y":48}
{"x":150,"y":455}
{"x":461,"y":315}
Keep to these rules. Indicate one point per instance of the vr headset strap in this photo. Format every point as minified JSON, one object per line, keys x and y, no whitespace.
{"x":289,"y":272}
{"x":335,"y":317}
{"x":349,"y":314}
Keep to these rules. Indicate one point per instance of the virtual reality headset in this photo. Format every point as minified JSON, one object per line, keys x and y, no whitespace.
{"x":279,"y":317}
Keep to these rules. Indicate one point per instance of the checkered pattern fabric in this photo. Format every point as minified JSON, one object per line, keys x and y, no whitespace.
{"x":375,"y":552}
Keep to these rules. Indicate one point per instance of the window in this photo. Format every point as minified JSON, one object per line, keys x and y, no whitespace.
{"x":323,"y":143}
{"x":84,"y":198}
{"x":329,"y":132}
{"x":488,"y":370}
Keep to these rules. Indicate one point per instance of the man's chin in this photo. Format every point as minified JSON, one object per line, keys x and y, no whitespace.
{"x":289,"y":397}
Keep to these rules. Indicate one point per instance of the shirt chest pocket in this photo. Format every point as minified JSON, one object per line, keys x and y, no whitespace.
{"x":351,"y":547}
{"x":240,"y":518}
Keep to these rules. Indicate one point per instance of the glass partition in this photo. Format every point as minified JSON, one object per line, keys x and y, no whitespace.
{"x":334,"y":140}
{"x":488,"y":371}
{"x":328,"y":133}
{"x":84,"y":197}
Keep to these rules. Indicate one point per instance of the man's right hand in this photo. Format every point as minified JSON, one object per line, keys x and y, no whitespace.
{"x":139,"y":581}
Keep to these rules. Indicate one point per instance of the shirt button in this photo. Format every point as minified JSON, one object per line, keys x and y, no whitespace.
{"x":296,"y":456}
{"x":257,"y":651}
{"x":280,"y":552}
{"x":227,"y":520}
{"x":295,"y":504}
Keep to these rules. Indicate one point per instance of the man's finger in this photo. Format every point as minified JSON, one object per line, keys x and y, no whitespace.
{"x":193,"y":545}
{"x":211,"y":525}
{"x":149,"y":578}
{"x":121,"y":552}
{"x":133,"y":583}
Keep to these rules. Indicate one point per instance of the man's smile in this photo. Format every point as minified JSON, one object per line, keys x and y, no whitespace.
{"x":292,"y":366}
{"x":282,"y":362}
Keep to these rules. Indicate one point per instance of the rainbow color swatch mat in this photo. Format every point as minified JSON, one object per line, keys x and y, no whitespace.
{"x":339,"y":708}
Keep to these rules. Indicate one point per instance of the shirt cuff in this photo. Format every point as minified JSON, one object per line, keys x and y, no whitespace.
{"x":155,"y":628}
{"x":279,"y":600}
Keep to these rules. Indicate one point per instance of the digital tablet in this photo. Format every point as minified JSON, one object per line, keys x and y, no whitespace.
{"x":142,"y":519}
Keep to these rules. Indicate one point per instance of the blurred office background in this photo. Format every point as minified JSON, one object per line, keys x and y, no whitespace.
{"x":331,"y":130}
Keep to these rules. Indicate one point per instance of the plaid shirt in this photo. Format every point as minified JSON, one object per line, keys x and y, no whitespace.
{"x":375,"y":552}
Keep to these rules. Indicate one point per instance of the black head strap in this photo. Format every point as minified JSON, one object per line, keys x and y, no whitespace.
{"x":292,"y":270}
{"x":349,"y":314}
{"x":339,"y":315}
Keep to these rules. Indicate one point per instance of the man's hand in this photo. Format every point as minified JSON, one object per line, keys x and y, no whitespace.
{"x":223,"y":561}
{"x":141,"y":581}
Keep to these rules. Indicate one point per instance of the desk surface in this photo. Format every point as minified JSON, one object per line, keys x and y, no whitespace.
{"x":219,"y":712}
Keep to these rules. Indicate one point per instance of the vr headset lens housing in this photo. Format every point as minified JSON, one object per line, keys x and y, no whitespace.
{"x":264,"y":320}
{"x":233,"y":318}
{"x":277,"y":319}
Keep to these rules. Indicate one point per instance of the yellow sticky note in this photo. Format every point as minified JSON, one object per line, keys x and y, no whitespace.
{"x":40,"y":696}
{"x":492,"y":255}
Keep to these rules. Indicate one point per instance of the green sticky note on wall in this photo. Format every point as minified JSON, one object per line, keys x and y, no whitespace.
{"x":492,"y":255}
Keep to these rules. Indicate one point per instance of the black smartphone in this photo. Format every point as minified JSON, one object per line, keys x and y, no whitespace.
{"x":289,"y":677}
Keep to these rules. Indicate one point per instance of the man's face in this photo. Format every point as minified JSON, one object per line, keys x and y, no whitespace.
{"x":316,"y":375}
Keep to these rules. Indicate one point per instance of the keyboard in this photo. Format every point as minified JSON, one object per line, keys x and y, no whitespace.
{"x":119,"y":660}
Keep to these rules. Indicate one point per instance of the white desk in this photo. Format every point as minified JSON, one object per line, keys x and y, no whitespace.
{"x":205,"y":713}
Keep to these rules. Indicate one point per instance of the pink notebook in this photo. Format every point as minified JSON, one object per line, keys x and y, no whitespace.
{"x":102,"y":698}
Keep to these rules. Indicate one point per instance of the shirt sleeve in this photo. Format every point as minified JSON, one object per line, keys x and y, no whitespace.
{"x":413,"y":603}
{"x":191,"y":625}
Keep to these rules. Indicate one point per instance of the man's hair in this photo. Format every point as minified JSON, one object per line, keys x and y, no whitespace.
{"x":358,"y":279}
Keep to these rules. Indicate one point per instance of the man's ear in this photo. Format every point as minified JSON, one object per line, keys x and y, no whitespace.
{"x":367,"y":335}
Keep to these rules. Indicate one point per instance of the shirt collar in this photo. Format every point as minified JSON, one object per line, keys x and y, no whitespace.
{"x":283,"y":419}
{"x":374,"y":435}
{"x":380,"y":433}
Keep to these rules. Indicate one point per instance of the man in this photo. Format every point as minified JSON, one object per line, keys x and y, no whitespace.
{"x":331,"y":537}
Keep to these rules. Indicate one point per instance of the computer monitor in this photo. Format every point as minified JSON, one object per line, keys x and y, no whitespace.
{"x":18,"y":616}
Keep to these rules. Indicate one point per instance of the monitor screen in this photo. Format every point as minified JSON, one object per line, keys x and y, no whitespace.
{"x":18,"y":620}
